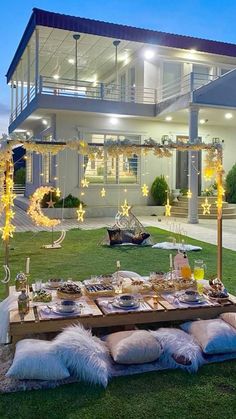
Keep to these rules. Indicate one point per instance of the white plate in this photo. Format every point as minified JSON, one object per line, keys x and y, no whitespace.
{"x":184,"y":299}
{"x":57,"y":310}
{"x":51,"y":285}
{"x":116,"y":303}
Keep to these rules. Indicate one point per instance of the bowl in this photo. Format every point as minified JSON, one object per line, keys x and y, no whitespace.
{"x":127,"y":299}
{"x":67,"y":306}
{"x":191,"y":295}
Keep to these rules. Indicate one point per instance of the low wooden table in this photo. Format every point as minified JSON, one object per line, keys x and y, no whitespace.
{"x":162,"y":312}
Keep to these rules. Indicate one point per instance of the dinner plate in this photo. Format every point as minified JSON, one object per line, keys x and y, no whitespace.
{"x":184,"y":299}
{"x":51,"y":286}
{"x":117,"y":304}
{"x":57,"y":310}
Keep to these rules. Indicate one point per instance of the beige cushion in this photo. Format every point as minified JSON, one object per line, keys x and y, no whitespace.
{"x":229,"y":318}
{"x":133,"y":347}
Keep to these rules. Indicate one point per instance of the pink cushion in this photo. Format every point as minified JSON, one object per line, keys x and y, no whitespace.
{"x":229,"y":318}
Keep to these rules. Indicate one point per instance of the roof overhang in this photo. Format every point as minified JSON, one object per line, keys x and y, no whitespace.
{"x":94,"y":27}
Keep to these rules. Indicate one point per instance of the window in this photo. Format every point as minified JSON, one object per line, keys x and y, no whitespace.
{"x":112,"y":170}
{"x":29,"y":167}
{"x":172,"y":73}
{"x":201,"y":75}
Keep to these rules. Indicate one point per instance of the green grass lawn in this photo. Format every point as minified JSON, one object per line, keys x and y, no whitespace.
{"x":167,"y":394}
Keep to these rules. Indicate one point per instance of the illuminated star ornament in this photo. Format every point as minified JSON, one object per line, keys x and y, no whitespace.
{"x":50,"y":203}
{"x":206,"y":207}
{"x":145,"y":190}
{"x":125,"y":208}
{"x":84,"y":183}
{"x":80,"y":213}
{"x":103,"y":192}
{"x":58,"y":192}
{"x":167,"y":208}
{"x":189,"y":194}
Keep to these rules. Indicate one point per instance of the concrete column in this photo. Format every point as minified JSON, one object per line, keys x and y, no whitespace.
{"x":28,"y":74}
{"x":36,"y":60}
{"x":193,"y":166}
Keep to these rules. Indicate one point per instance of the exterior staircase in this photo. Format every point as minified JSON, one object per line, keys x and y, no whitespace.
{"x":180,"y":208}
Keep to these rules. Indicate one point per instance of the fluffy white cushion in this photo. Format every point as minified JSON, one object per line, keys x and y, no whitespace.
{"x":214,"y":336}
{"x":180,"y":350}
{"x":229,"y":318}
{"x":133,"y":347}
{"x":85,"y":356}
{"x":35,"y":359}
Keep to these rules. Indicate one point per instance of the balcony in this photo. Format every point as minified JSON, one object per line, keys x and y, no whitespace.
{"x":107,"y":97}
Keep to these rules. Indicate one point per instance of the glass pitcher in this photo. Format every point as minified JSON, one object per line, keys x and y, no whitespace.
{"x":199,"y":269}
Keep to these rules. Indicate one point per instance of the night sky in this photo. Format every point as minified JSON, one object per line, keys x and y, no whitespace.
{"x":211,"y":19}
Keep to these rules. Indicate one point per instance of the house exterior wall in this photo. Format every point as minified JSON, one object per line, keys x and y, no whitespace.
{"x":69,"y":169}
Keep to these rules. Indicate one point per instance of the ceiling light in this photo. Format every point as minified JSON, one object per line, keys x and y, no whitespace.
{"x":28,"y":133}
{"x":71,"y":60}
{"x":168,"y":118}
{"x":114,"y":121}
{"x":149,"y":54}
{"x":193,"y":51}
{"x":56,"y":76}
{"x":44,"y":122}
{"x":228,"y":115}
{"x":202,"y":121}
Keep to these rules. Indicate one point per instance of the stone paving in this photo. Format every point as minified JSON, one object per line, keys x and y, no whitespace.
{"x":205,"y":230}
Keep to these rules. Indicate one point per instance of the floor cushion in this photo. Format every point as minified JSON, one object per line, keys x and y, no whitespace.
{"x":85,"y":356}
{"x":133,"y":347}
{"x":114,"y":236}
{"x":36,"y":359}
{"x":229,"y":318}
{"x":140,"y":238}
{"x":180,"y":350}
{"x":214,"y":336}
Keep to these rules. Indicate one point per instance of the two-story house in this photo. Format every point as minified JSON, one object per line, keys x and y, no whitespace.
{"x":79,"y":78}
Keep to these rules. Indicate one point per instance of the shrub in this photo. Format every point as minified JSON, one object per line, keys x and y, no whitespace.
{"x":231,"y":185}
{"x":19,"y":176}
{"x":159,"y":189}
{"x":69,"y":202}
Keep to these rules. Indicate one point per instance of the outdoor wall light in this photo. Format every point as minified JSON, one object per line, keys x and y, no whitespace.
{"x":203,"y":121}
{"x":149,"y":54}
{"x":168,"y":118}
{"x":56,"y":76}
{"x":228,"y":115}
{"x":114,"y":120}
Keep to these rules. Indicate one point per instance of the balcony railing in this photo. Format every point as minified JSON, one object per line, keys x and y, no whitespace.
{"x":112,"y":92}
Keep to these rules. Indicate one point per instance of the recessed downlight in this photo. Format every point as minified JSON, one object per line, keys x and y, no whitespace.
{"x":168,"y":118}
{"x":228,"y":115}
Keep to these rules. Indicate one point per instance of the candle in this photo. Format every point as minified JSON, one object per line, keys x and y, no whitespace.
{"x":171,"y":261}
{"x":27,"y":266}
{"x":118,"y":264}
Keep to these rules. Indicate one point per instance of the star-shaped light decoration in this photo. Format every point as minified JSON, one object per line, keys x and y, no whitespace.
{"x":145,"y":190}
{"x":84,"y":183}
{"x":125,"y":208}
{"x":103,"y":192}
{"x":58,"y":192}
{"x":168,"y":208}
{"x":50,"y":203}
{"x":206,"y":207}
{"x":189,"y":194}
{"x":80,"y":213}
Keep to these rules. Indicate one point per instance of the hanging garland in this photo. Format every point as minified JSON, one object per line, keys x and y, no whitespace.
{"x":35,"y":210}
{"x":7,"y":197}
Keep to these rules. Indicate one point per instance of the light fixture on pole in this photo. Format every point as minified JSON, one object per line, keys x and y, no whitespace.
{"x":76,"y":38}
{"x":116,"y":44}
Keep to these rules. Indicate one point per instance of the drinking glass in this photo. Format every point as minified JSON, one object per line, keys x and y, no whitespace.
{"x":199,"y":270}
{"x":38,"y":285}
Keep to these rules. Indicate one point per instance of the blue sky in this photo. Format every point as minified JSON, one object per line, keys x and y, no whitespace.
{"x":211,"y":19}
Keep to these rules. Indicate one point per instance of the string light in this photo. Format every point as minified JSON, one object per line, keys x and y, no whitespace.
{"x":7,"y":198}
{"x":168,"y":208}
{"x":103,"y":192}
{"x":84,"y":183}
{"x":35,"y":210}
{"x":80,"y":213}
{"x":58,"y":192}
{"x":125,"y":209}
{"x":206,"y":207}
{"x":145,"y":190}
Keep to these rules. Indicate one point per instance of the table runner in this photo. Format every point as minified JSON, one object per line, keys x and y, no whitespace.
{"x":45,"y":313}
{"x":104,"y":303}
{"x":172,"y":298}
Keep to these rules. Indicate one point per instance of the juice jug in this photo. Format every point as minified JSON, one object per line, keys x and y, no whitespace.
{"x":199,"y":269}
